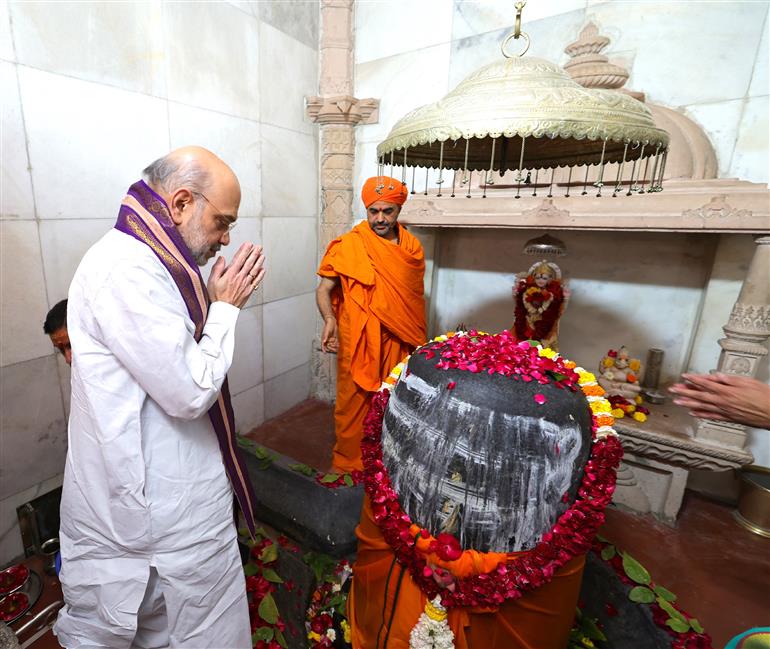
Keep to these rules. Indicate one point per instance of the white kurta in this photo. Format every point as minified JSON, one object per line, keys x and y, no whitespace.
{"x":145,"y":489}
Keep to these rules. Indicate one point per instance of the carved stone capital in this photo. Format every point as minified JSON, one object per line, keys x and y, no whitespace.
{"x":343,"y":109}
{"x":752,"y":319}
{"x":717,"y":208}
{"x":546,"y":210}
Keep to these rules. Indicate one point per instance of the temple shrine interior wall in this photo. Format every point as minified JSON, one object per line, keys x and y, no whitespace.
{"x":92,"y":93}
{"x":675,"y":291}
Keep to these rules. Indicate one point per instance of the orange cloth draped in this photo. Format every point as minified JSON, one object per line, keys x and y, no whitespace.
{"x":541,"y":619}
{"x":380,"y":318}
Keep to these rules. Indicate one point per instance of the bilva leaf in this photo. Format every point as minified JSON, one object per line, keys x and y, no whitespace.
{"x":268,"y":611}
{"x":608,"y":551}
{"x":664,"y":593}
{"x":641,"y":595}
{"x":635,"y":570}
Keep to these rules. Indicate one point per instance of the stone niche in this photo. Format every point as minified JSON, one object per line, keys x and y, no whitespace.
{"x":660,"y":453}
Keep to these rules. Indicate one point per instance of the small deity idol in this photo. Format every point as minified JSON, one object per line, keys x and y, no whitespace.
{"x":540,"y":298}
{"x":619,"y":374}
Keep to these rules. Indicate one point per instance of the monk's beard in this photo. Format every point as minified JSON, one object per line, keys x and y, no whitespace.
{"x":384,"y":229}
{"x":194,"y":235}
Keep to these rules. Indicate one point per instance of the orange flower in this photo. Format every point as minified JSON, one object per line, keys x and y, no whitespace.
{"x":593,"y":390}
{"x":631,"y":378}
{"x":570,"y":365}
{"x":603,"y":420}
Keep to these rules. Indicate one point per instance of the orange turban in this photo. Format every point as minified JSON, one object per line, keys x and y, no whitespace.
{"x":397,"y":194}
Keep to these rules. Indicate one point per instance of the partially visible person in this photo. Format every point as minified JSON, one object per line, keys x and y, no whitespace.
{"x":55,"y":326}
{"x":149,"y":547}
{"x":725,"y":397}
{"x":371,"y":299}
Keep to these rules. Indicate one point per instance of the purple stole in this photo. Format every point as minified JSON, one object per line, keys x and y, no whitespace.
{"x":145,"y":216}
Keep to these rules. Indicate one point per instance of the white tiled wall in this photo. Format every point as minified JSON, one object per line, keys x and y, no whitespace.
{"x":93,"y":92}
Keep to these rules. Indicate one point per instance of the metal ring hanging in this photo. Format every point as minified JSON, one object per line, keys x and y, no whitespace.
{"x":514,"y":36}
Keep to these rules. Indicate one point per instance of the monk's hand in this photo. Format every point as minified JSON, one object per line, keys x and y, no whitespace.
{"x":329,"y":341}
{"x":235,"y":283}
{"x":725,"y":397}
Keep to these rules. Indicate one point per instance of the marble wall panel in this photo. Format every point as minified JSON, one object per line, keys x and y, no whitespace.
{"x":117,"y":43}
{"x":249,"y":409}
{"x":687,"y":52}
{"x":760,"y":85}
{"x":246,"y":370}
{"x":384,"y":28}
{"x":473,"y":17}
{"x":235,"y":140}
{"x":32,"y":420}
{"x":289,"y":172}
{"x":720,"y":121}
{"x":401,"y":82}
{"x":213,"y":57}
{"x":299,"y":18}
{"x":293,"y":248}
{"x":288,"y":72}
{"x":617,"y":290}
{"x":22,"y":286}
{"x":11,"y":547}
{"x":6,"y":40}
{"x":287,"y":390}
{"x":289,"y":326}
{"x":750,"y":158}
{"x":16,"y":196}
{"x":88,"y":146}
{"x":63,"y":243}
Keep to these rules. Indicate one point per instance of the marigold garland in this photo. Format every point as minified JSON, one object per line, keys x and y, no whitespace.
{"x":575,"y":529}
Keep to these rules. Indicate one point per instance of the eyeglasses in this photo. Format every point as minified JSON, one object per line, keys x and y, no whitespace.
{"x":223,"y":223}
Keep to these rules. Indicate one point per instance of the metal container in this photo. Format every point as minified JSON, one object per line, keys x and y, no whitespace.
{"x":753,"y":511}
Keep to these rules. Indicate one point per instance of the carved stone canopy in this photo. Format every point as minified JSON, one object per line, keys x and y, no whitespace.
{"x":588,"y":66}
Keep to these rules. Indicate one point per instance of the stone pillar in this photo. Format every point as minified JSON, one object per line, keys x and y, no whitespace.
{"x":746,"y":333}
{"x":337,"y":112}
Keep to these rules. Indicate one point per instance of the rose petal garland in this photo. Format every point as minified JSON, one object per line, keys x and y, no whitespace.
{"x":575,"y":529}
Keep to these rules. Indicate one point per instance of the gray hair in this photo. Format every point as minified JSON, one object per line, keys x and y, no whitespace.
{"x":169,"y":173}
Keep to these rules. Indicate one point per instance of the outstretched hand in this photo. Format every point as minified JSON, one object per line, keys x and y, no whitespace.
{"x":725,"y":397}
{"x":235,"y":283}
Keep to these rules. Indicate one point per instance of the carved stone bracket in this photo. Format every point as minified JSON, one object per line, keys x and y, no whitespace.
{"x":343,"y":109}
{"x":717,"y":208}
{"x":546,"y":210}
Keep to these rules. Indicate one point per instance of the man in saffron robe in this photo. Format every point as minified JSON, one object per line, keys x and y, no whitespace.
{"x":149,"y":549}
{"x":371,"y":299}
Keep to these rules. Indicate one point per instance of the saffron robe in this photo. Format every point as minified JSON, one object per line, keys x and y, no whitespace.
{"x":385,"y":602}
{"x":380,"y":310}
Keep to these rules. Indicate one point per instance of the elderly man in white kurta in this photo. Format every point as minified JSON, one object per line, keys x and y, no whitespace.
{"x":148,"y":541}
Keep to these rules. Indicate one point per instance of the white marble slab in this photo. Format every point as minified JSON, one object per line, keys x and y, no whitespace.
{"x":33,"y":425}
{"x":237,"y":141}
{"x":750,"y":158}
{"x":213,"y":57}
{"x":292,"y":246}
{"x":720,"y":122}
{"x":246,"y":370}
{"x":116,"y":43}
{"x":88,"y":146}
{"x":16,"y":197}
{"x":760,"y":84}
{"x":24,"y":305}
{"x":6,"y":39}
{"x":249,"y":409}
{"x":288,"y":73}
{"x":289,"y":327}
{"x":401,"y":83}
{"x":287,"y":390}
{"x":387,"y":27}
{"x":298,"y":18}
{"x":289,"y":172}
{"x":63,"y":244}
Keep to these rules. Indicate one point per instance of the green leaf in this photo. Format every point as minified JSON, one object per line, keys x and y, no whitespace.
{"x":321,"y":564}
{"x":635,"y":570}
{"x":593,"y":631}
{"x":271,"y":575}
{"x":677,"y":625}
{"x":260,"y":452}
{"x":243,"y":531}
{"x":268,"y":611}
{"x":664,"y":593}
{"x":599,"y":537}
{"x":330,"y":477}
{"x":696,"y":626}
{"x":608,"y":551}
{"x":304,"y":469}
{"x":250,"y":569}
{"x":269,"y":553}
{"x":668,"y":608}
{"x":280,"y":639}
{"x":348,"y":479}
{"x":245,"y":442}
{"x":263,"y":633}
{"x":641,"y":595}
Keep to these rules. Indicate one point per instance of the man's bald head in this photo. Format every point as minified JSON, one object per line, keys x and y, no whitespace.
{"x":191,"y":166}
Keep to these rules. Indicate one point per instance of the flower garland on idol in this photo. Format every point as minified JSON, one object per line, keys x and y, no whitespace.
{"x":572,"y":535}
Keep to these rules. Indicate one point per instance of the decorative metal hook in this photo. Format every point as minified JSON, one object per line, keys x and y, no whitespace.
{"x":517,"y":33}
